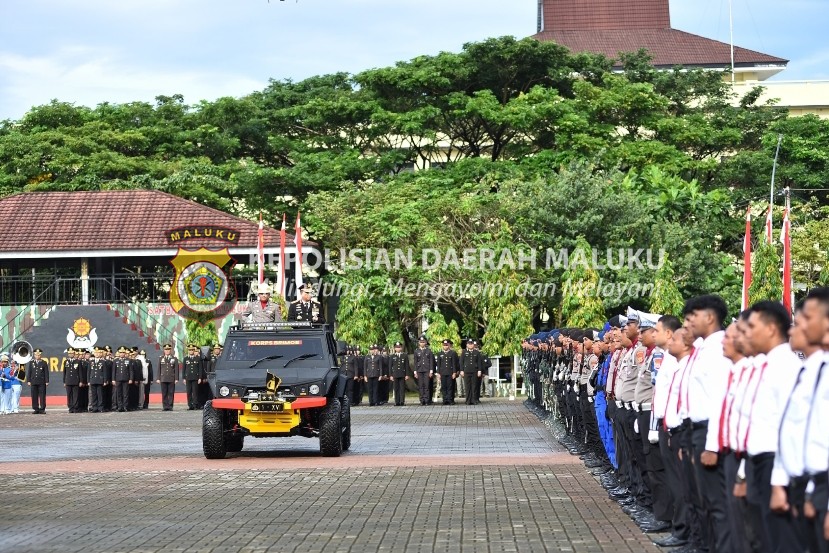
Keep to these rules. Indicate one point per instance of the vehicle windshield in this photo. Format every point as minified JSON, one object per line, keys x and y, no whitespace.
{"x":249,"y":350}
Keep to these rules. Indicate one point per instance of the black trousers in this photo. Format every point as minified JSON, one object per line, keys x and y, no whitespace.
{"x":96,"y":397}
{"x":192,"y":394}
{"x":772,"y":529}
{"x":373,"y":391}
{"x":737,"y":515}
{"x":639,"y":469}
{"x":447,"y":389}
{"x":168,"y":390}
{"x":356,"y":392}
{"x":820,"y":496}
{"x":711,"y":482}
{"x":72,"y":397}
{"x":423,"y":382}
{"x":132,"y":396}
{"x":148,"y":385}
{"x":383,"y":391}
{"x":122,"y":393}
{"x":673,"y":478}
{"x":399,"y":391}
{"x":654,"y":466}
{"x":470,"y":382}
{"x":38,"y":397}
{"x":681,"y":443}
{"x":622,"y":449}
{"x":107,"y":396}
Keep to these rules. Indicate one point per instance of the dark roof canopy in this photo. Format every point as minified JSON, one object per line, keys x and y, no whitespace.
{"x":113,"y":220}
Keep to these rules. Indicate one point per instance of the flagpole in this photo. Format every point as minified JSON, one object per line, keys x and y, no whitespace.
{"x":787,"y":253}
{"x":731,"y":28}
{"x":260,"y":251}
{"x":280,"y":270}
{"x":298,"y":242}
{"x":746,"y":261}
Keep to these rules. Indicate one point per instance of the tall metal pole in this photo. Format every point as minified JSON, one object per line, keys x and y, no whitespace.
{"x":731,"y":28}
{"x":774,"y":167}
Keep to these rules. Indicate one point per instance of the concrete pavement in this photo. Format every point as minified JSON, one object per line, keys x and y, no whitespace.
{"x":486,"y":478}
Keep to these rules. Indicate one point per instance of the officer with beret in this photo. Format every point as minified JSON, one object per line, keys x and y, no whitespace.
{"x":306,"y":309}
{"x":38,"y":378}
{"x":168,"y":377}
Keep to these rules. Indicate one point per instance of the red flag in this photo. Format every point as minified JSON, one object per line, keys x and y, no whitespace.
{"x":769,"y":233}
{"x":786,"y":238}
{"x":298,"y":242}
{"x":260,"y":258}
{"x":746,"y":260}
{"x":280,"y":269}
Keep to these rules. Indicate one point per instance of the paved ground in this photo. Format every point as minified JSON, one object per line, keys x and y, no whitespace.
{"x":486,"y":478}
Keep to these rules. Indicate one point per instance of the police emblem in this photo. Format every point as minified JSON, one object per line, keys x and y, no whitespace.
{"x":201,"y":285}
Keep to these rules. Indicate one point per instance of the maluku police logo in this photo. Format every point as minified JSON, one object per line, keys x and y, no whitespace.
{"x":200,"y":284}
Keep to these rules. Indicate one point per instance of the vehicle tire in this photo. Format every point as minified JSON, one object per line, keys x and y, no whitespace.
{"x":234,"y":443}
{"x":331,"y":437}
{"x":213,"y":432}
{"x":345,"y":422}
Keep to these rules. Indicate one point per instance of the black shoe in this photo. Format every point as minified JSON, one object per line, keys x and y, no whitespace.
{"x":629,"y":500}
{"x":670,"y":541}
{"x":688,"y":548}
{"x":659,"y":526}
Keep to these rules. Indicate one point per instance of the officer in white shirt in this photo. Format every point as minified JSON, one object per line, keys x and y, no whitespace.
{"x":768,"y":333}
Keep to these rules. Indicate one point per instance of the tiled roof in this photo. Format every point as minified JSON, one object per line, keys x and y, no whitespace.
{"x":112,"y":220}
{"x":605,"y":14}
{"x":668,"y":47}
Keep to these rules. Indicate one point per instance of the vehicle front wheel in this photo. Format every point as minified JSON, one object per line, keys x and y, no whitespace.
{"x":213,"y":432}
{"x":331,"y":443}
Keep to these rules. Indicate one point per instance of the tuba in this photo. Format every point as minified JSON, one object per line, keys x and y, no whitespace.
{"x":21,"y":353}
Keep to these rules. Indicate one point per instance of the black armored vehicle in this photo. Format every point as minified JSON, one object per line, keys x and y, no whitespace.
{"x":277,"y":380}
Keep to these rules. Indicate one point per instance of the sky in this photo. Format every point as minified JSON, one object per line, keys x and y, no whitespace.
{"x":92,"y":51}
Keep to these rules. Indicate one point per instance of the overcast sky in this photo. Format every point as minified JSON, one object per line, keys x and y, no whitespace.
{"x":91,"y":51}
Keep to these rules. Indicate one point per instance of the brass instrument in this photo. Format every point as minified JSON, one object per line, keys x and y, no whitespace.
{"x":21,"y":353}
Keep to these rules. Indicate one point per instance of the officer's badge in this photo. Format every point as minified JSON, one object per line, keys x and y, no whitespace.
{"x":640,"y":356}
{"x":202,"y":283}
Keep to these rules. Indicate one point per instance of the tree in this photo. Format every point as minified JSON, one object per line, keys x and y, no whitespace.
{"x":581,"y":305}
{"x":666,"y":298}
{"x":766,"y":283}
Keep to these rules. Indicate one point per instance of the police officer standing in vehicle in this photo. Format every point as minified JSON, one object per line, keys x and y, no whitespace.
{"x":167,"y":377}
{"x":398,"y":370}
{"x":306,"y":309}
{"x":38,"y":378}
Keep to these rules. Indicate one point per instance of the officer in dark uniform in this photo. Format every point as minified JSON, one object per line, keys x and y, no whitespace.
{"x":96,"y":378}
{"x":121,"y":379}
{"x":306,"y":309}
{"x":83,"y":390}
{"x":399,"y":373}
{"x":37,"y":376}
{"x":424,"y":369}
{"x":71,"y":379}
{"x":358,"y":360}
{"x":209,"y":364}
{"x":472,"y":367}
{"x":348,"y":367}
{"x":136,"y":379}
{"x":193,"y":374}
{"x":109,"y":360}
{"x":373,"y":370}
{"x":448,"y":368}
{"x":167,"y":377}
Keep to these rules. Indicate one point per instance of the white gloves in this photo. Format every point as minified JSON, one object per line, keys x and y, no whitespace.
{"x":653,"y":436}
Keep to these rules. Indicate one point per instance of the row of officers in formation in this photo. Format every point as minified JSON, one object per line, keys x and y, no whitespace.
{"x":456,"y":374}
{"x":717,"y":434}
{"x":99,"y":380}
